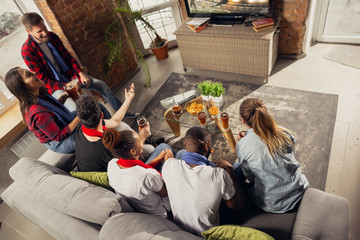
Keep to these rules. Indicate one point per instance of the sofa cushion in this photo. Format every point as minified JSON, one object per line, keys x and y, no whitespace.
{"x":67,"y":194}
{"x":97,"y":178}
{"x":142,"y":226}
{"x":234,"y":232}
{"x":56,"y":223}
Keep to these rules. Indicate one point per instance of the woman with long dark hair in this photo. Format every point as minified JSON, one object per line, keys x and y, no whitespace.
{"x":140,"y":183}
{"x":266,"y":158}
{"x":45,"y":116}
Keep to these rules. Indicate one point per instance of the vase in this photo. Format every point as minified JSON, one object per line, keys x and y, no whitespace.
{"x":206,"y":100}
{"x":218,"y":100}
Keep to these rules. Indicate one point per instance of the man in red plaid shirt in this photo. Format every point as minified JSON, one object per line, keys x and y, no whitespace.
{"x":44,"y":54}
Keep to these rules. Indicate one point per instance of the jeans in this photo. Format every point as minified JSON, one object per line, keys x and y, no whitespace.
{"x":238,"y":172}
{"x":97,"y":85}
{"x":155,"y":153}
{"x":65,"y":146}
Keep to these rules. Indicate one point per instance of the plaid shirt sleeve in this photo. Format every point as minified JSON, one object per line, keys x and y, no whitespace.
{"x":42,"y":123}
{"x":36,"y":61}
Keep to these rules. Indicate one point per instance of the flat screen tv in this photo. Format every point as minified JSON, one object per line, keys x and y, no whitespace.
{"x":232,"y":11}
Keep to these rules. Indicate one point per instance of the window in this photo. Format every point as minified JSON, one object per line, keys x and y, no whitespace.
{"x":12,"y":36}
{"x":164,"y":15}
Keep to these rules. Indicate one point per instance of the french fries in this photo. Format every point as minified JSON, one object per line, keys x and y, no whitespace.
{"x":194,"y":108}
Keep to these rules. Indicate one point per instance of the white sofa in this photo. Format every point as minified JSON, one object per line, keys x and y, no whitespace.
{"x":70,"y":208}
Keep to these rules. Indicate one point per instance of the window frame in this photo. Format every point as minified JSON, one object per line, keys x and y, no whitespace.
{"x":176,"y":10}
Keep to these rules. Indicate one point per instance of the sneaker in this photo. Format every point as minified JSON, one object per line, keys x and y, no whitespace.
{"x":154,"y":141}
{"x":131,"y":115}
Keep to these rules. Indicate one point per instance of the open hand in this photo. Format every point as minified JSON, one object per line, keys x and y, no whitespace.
{"x":129,"y":94}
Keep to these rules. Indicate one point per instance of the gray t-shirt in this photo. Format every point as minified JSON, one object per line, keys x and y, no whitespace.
{"x":44,"y":47}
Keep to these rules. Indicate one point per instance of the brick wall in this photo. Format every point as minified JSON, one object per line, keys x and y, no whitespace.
{"x":293,"y":15}
{"x":81,"y":26}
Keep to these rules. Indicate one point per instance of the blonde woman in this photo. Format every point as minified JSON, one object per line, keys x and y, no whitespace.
{"x":266,"y":158}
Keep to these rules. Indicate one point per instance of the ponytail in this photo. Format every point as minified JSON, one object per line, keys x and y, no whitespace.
{"x":119,"y":143}
{"x":255,"y":114}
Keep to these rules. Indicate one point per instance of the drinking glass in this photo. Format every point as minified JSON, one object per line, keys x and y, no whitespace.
{"x":176,"y":111}
{"x":214,"y":110}
{"x":73,"y":93}
{"x":202,"y":117}
{"x":225,"y":120}
{"x":141,"y":121}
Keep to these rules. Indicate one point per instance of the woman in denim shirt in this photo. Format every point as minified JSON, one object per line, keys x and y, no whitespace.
{"x":266,"y":158}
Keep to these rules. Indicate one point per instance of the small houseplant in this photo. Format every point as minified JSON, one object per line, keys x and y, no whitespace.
{"x":217,"y":90}
{"x":205,"y":90}
{"x":119,"y":30}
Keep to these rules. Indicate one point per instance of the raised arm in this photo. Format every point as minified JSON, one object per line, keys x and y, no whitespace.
{"x":116,"y":119}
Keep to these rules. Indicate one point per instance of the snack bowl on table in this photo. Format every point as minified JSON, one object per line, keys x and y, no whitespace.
{"x":195,"y":106}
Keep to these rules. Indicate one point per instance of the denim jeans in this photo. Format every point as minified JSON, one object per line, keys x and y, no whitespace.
{"x":65,"y":146}
{"x":238,"y":172}
{"x":155,"y":153}
{"x":97,"y":85}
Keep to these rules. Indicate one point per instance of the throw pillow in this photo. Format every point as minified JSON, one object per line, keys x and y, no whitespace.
{"x":97,"y":178}
{"x":235,"y":232}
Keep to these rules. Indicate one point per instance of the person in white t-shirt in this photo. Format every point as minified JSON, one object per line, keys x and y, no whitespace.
{"x":196,"y":188}
{"x":140,"y":183}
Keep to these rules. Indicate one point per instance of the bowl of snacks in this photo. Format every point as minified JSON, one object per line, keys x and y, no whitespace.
{"x":214,"y":110}
{"x":195,"y":106}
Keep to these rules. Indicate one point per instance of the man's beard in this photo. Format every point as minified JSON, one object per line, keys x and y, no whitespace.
{"x":43,"y":39}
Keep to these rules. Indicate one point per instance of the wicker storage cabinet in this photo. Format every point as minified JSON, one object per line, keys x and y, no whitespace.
{"x":237,"y":49}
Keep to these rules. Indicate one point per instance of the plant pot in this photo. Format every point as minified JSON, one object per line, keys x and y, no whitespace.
{"x":218,"y":100}
{"x":162,"y":52}
{"x":206,"y":99}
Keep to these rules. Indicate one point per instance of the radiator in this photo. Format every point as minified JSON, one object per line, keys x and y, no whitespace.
{"x":28,"y":146}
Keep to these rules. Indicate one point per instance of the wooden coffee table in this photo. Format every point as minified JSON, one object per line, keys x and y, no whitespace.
{"x":175,"y":125}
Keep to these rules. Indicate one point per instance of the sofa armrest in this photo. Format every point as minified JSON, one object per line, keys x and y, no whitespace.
{"x":64,"y":161}
{"x":322,"y":215}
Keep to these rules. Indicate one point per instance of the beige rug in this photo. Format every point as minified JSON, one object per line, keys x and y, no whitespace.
{"x":345,"y":54}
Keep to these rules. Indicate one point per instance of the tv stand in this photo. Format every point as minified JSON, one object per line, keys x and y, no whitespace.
{"x":236,"y":49}
{"x":227,"y":20}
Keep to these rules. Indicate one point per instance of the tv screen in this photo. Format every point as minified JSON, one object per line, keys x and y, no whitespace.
{"x":209,"y":8}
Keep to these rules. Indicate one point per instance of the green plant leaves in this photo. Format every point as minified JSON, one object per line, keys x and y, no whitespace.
{"x":214,"y":89}
{"x":205,"y":88}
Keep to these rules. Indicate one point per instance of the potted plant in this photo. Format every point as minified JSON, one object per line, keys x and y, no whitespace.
{"x":205,"y":90}
{"x":118,"y":31}
{"x":217,"y":90}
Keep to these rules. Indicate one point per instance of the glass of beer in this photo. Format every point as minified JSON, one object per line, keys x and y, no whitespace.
{"x":72,"y":92}
{"x":176,"y":111}
{"x":79,"y":90}
{"x":225,"y":120}
{"x":141,"y":121}
{"x":202,"y":117}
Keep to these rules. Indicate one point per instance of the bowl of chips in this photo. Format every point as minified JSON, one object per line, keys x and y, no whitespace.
{"x":195,"y":106}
